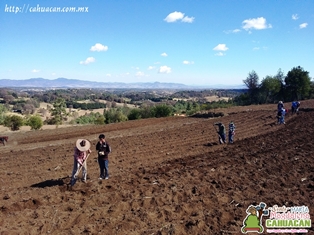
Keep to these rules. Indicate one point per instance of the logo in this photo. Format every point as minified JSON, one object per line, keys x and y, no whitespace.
{"x":288,"y":219}
{"x":281,"y":219}
{"x":252,"y":222}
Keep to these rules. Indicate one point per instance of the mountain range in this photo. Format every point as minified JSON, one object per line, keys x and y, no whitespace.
{"x":75,"y":83}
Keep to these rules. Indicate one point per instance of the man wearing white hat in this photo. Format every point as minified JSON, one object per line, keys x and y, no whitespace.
{"x":81,"y":152}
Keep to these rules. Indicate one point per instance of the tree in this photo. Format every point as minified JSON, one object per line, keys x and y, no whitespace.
{"x":100,"y":120}
{"x":253,"y":87}
{"x":134,"y":114}
{"x":270,"y":86}
{"x":162,"y":111}
{"x":14,"y":122}
{"x":35,"y":122}
{"x":114,"y":115}
{"x":281,"y":79}
{"x":8,"y":98}
{"x":2,"y":113}
{"x":59,"y":111}
{"x":298,"y":83}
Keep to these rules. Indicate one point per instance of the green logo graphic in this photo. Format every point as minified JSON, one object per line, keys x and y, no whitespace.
{"x":252,"y":222}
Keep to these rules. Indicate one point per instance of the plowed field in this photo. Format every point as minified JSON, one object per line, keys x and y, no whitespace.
{"x":167,"y":175}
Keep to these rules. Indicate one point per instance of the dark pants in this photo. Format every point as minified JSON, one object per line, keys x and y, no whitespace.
{"x":103,"y":166}
{"x":294,"y":110}
{"x":222,"y":138}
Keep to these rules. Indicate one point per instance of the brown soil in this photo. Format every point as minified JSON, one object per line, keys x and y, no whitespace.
{"x":167,"y":175}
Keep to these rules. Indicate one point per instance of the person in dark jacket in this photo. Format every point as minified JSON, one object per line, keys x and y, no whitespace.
{"x":280,"y":106}
{"x":221,"y":132}
{"x":103,"y":149}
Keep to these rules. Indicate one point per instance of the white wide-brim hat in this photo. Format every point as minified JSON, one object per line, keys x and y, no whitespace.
{"x":83,"y":148}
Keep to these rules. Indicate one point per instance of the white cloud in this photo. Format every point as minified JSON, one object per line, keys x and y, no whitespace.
{"x":35,"y":71}
{"x":232,"y":31}
{"x":139,"y":74}
{"x":164,"y":54}
{"x":187,"y":19}
{"x":88,"y":60}
{"x":257,"y":23}
{"x":295,"y":16}
{"x":176,"y":15}
{"x":108,"y":75}
{"x":302,"y":26}
{"x":188,"y":62}
{"x":164,"y":69}
{"x":151,"y":67}
{"x":53,"y":74}
{"x":256,"y":48}
{"x":220,"y":54}
{"x":99,"y":47}
{"x":221,"y":47}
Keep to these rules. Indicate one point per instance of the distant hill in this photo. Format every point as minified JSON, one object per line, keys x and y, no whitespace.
{"x":75,"y":83}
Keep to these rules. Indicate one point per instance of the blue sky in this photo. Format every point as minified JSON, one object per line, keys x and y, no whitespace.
{"x":194,"y":42}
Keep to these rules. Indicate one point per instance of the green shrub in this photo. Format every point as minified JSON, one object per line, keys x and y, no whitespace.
{"x":162,"y":111}
{"x":100,"y":120}
{"x":2,"y":113}
{"x":14,"y":122}
{"x":134,"y":114}
{"x":35,"y":122}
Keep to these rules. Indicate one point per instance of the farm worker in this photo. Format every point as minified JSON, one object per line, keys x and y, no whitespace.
{"x":221,"y":132}
{"x":231,"y":132}
{"x":280,"y":106}
{"x":279,"y":110}
{"x":81,"y":152}
{"x":103,"y":149}
{"x":282,"y":116}
{"x":295,"y":107}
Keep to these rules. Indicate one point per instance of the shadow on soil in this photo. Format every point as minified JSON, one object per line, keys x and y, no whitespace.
{"x":207,"y":115}
{"x":49,"y":183}
{"x":211,"y":144}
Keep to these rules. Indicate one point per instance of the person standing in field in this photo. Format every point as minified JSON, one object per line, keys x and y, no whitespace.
{"x":281,"y":116}
{"x":81,"y":152}
{"x":221,"y":132}
{"x":103,"y":149}
{"x":231,"y":132}
{"x":279,"y":110}
{"x":280,"y":106}
{"x":295,"y":107}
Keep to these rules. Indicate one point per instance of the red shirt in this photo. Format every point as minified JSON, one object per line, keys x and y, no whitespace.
{"x":79,"y":156}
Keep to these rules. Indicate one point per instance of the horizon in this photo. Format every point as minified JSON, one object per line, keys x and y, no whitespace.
{"x":196,"y":44}
{"x":215,"y":86}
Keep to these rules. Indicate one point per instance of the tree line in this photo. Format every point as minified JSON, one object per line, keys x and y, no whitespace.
{"x":295,"y":85}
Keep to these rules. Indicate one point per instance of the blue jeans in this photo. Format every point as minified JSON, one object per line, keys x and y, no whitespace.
{"x":76,"y":166}
{"x":103,"y":166}
{"x":231,"y":134}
